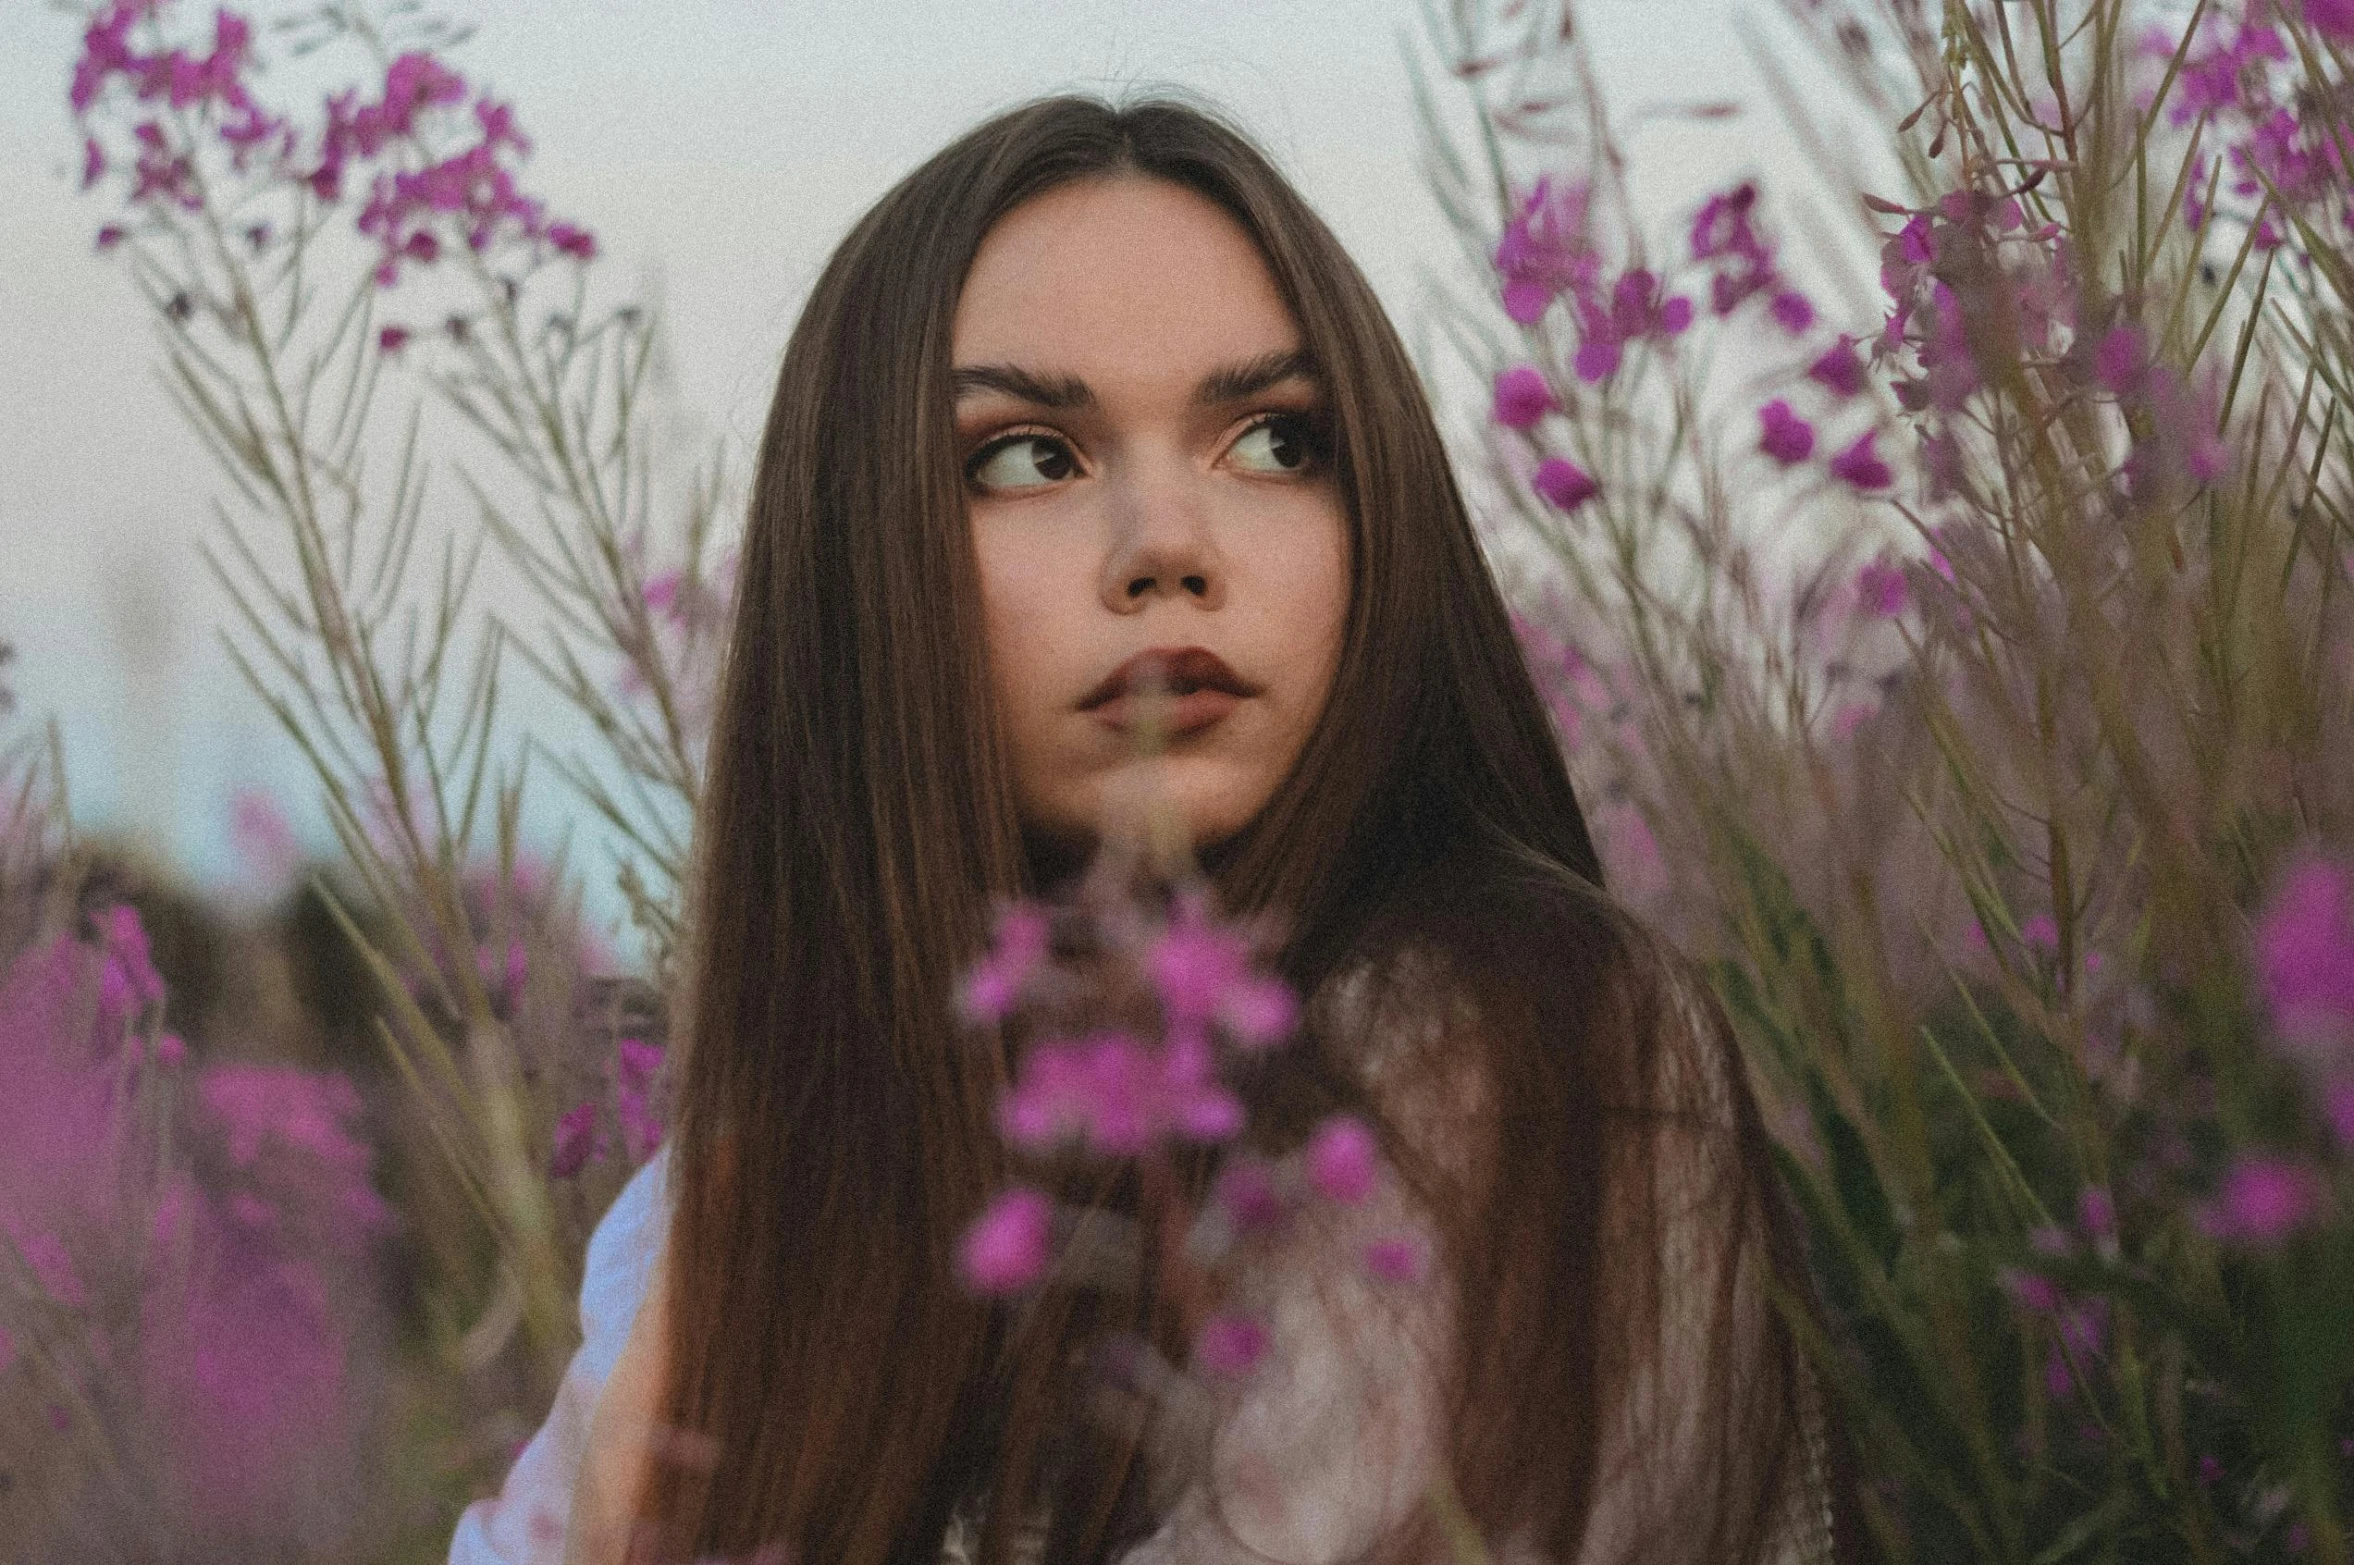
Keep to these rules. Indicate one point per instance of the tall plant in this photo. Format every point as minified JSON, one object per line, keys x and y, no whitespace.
{"x":291,"y":258}
{"x":1967,"y":670}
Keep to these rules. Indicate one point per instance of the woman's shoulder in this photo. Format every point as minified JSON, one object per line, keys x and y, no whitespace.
{"x":623,"y":1251}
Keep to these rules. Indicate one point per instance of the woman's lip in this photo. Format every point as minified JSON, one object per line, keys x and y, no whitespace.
{"x":1180,"y":715}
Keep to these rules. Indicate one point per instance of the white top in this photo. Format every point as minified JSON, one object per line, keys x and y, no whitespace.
{"x":1327,"y":1445}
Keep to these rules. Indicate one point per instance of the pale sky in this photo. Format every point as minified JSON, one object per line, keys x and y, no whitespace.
{"x":719,"y":148}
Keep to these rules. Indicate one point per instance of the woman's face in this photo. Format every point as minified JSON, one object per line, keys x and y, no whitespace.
{"x":1147,"y":470}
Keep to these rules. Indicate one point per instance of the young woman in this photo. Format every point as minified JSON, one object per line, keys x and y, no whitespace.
{"x":1091,"y":395}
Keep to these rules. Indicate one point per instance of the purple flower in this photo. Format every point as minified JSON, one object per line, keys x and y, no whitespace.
{"x":51,"y":1266}
{"x":573,"y":241}
{"x":575,"y":1142}
{"x":129,"y":983}
{"x":1564,"y":483}
{"x":2261,"y":1202}
{"x":1395,"y":1260}
{"x":2304,"y":942}
{"x":1786,"y":437}
{"x":1859,"y":467}
{"x":636,"y":1063}
{"x":1117,"y":1095}
{"x":1230,"y":1345}
{"x":1839,"y":368}
{"x":1545,"y":251}
{"x":109,"y":236}
{"x":2333,"y":19}
{"x":2096,"y":1213}
{"x":392,"y":339}
{"x":1522,"y":397}
{"x":1343,"y":1160}
{"x":1792,"y":311}
{"x":1723,"y":232}
{"x":2119,"y":360}
{"x":2033,"y":1290}
{"x":1007,"y":1247}
{"x":93,"y":161}
{"x":993,"y":987}
{"x":1245,"y":1191}
{"x":1882,"y":588}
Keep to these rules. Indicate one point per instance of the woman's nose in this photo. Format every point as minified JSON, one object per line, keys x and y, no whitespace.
{"x":1160,"y":544}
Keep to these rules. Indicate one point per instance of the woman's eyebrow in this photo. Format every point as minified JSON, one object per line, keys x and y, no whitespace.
{"x":1227,"y":383}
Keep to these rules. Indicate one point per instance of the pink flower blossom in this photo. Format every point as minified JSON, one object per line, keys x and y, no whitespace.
{"x":1724,"y":232}
{"x":1395,"y":1260}
{"x":170,"y":1048}
{"x":1881,"y":587}
{"x":2261,"y":1202}
{"x":46,"y":1255}
{"x":1562,"y":482}
{"x":2304,"y":948}
{"x":129,"y":983}
{"x":1785,"y":437}
{"x":1245,"y":1191}
{"x":1343,"y":1160}
{"x":573,"y":240}
{"x":1792,"y":311}
{"x":2119,"y":360}
{"x":992,"y":987}
{"x":1545,"y":251}
{"x":2333,"y":19}
{"x":1858,"y":466}
{"x":1839,"y":368}
{"x":109,"y":236}
{"x":636,"y":1063}
{"x":2096,"y":1213}
{"x":1007,"y":1247}
{"x":1635,"y":311}
{"x":2033,"y":1290}
{"x":1230,"y":1345}
{"x":1117,"y":1094}
{"x":1522,"y":397}
{"x":575,"y":1142}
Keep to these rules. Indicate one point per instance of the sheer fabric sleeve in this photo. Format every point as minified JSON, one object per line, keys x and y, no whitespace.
{"x":524,"y":1523}
{"x":1711,"y":1387}
{"x":1336,"y":1441}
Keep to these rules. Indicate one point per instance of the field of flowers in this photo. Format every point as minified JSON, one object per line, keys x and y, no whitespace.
{"x":1961,"y":664}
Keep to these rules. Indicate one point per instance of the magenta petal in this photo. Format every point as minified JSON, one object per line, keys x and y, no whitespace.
{"x":1564,"y":483}
{"x":1006,"y":1248}
{"x":1343,"y":1160}
{"x":1230,"y":1345}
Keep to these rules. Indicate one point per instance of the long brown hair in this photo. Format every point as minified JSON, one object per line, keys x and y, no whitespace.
{"x":835,"y":1129}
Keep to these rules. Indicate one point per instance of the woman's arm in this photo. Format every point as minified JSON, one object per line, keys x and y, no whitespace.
{"x":524,"y":1523}
{"x":620,"y":1439}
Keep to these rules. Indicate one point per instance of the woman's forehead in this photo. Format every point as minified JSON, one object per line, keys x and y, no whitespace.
{"x":1116,"y":279}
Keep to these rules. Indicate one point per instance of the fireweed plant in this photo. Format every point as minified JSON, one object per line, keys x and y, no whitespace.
{"x":299,"y":258}
{"x":1133,"y":1024}
{"x":1966,"y":671}
{"x":192,"y":1328}
{"x":294,"y":263}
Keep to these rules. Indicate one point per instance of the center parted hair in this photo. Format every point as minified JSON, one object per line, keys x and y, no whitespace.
{"x":840,"y":1393}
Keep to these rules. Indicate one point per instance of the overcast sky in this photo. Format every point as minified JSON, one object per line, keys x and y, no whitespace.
{"x":719,"y":148}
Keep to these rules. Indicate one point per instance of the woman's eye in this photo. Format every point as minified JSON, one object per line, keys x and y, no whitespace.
{"x":1280,"y":443}
{"x":1021,"y":462}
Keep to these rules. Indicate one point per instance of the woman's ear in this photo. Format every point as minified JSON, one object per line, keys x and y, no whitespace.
{"x":621,"y":1439}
